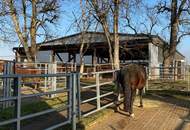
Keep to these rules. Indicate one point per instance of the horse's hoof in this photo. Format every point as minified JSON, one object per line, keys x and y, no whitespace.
{"x":116,"y":110}
{"x":132,"y":115}
{"x":141,"y":106}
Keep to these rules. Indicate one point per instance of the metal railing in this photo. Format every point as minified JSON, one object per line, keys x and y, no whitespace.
{"x":17,"y":97}
{"x":173,"y":78}
{"x":73,"y":89}
{"x":98,"y":96}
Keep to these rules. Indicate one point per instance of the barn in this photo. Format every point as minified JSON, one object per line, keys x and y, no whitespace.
{"x":143,"y":48}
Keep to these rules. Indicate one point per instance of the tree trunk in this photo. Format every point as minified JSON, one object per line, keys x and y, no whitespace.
{"x":82,"y":64}
{"x":33,"y":50}
{"x":81,"y":58}
{"x":116,"y":36}
{"x":108,"y":37}
{"x":82,"y":37}
{"x":170,"y":55}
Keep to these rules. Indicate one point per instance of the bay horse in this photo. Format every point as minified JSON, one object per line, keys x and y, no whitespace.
{"x":129,"y":79}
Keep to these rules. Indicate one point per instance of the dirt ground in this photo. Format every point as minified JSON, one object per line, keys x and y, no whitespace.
{"x":161,"y":113}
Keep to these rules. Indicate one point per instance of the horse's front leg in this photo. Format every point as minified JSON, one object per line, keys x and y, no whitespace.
{"x":117,"y":98}
{"x":140,"y":95}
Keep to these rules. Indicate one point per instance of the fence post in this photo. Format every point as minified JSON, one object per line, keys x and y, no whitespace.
{"x":53,"y":79}
{"x":45,"y":82}
{"x":147,"y":72}
{"x":17,"y":93}
{"x":8,"y":69}
{"x":74,"y":101}
{"x":78,"y":96}
{"x":69,"y":96}
{"x":98,"y":90}
{"x":188,"y":76}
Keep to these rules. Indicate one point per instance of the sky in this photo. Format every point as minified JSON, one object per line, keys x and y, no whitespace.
{"x":64,"y":27}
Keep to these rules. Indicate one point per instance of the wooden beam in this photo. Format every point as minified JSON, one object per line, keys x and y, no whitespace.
{"x":70,"y":57}
{"x":103,"y":59}
{"x":59,"y":57}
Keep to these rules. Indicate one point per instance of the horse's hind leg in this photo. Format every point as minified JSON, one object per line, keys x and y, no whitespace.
{"x":140,"y":95}
{"x":127,"y":99}
{"x":133,"y":95}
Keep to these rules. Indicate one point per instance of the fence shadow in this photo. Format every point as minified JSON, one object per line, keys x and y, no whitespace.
{"x":32,"y":106}
{"x":180,"y":99}
{"x":171,"y":96}
{"x":186,"y":120}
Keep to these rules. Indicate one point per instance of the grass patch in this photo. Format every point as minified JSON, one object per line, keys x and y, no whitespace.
{"x":179,"y":85}
{"x":178,"y":98}
{"x":89,"y":120}
{"x":32,"y":107}
{"x":184,"y":94}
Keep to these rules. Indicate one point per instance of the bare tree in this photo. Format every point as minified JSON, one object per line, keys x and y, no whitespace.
{"x":85,"y":27}
{"x":179,"y":11}
{"x":100,"y":12}
{"x":30,"y":19}
{"x":129,"y":9}
{"x":151,"y":21}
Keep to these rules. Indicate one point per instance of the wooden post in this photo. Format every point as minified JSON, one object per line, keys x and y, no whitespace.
{"x":68,"y":64}
{"x":53,"y":70}
{"x":148,"y":73}
{"x":74,"y":62}
{"x":188,"y":78}
{"x":18,"y":58}
{"x":53,"y":58}
{"x":54,"y":79}
{"x":94,"y":60}
{"x":98,"y":91}
{"x":45,"y":80}
{"x":69,"y":57}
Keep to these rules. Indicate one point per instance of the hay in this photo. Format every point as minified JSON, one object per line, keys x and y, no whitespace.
{"x":147,"y":103}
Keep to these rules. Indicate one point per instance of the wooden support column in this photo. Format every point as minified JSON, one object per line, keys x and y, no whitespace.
{"x":69,"y":57}
{"x":101,"y":60}
{"x":18,"y":58}
{"x":94,"y":60}
{"x":74,"y":62}
{"x":68,"y":66}
{"x":52,"y":69}
{"x":176,"y":70}
{"x":98,"y":59}
{"x":53,"y":58}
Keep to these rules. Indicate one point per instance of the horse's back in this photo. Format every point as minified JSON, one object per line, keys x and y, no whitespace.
{"x":134,"y":75}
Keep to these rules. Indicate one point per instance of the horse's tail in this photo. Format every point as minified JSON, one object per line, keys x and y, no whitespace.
{"x":118,"y":80}
{"x":116,"y":76}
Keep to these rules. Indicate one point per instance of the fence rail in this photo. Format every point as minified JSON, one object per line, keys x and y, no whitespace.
{"x":18,"y":97}
{"x":98,"y":95}
{"x":75,"y":85}
{"x":168,"y":78}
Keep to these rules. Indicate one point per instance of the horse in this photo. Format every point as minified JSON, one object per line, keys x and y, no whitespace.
{"x":128,"y":79}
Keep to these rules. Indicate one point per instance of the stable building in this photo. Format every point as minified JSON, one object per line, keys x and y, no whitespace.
{"x":147,"y":49}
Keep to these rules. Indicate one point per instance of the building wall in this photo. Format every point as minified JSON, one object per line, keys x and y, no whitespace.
{"x":153,"y":60}
{"x":160,"y":55}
